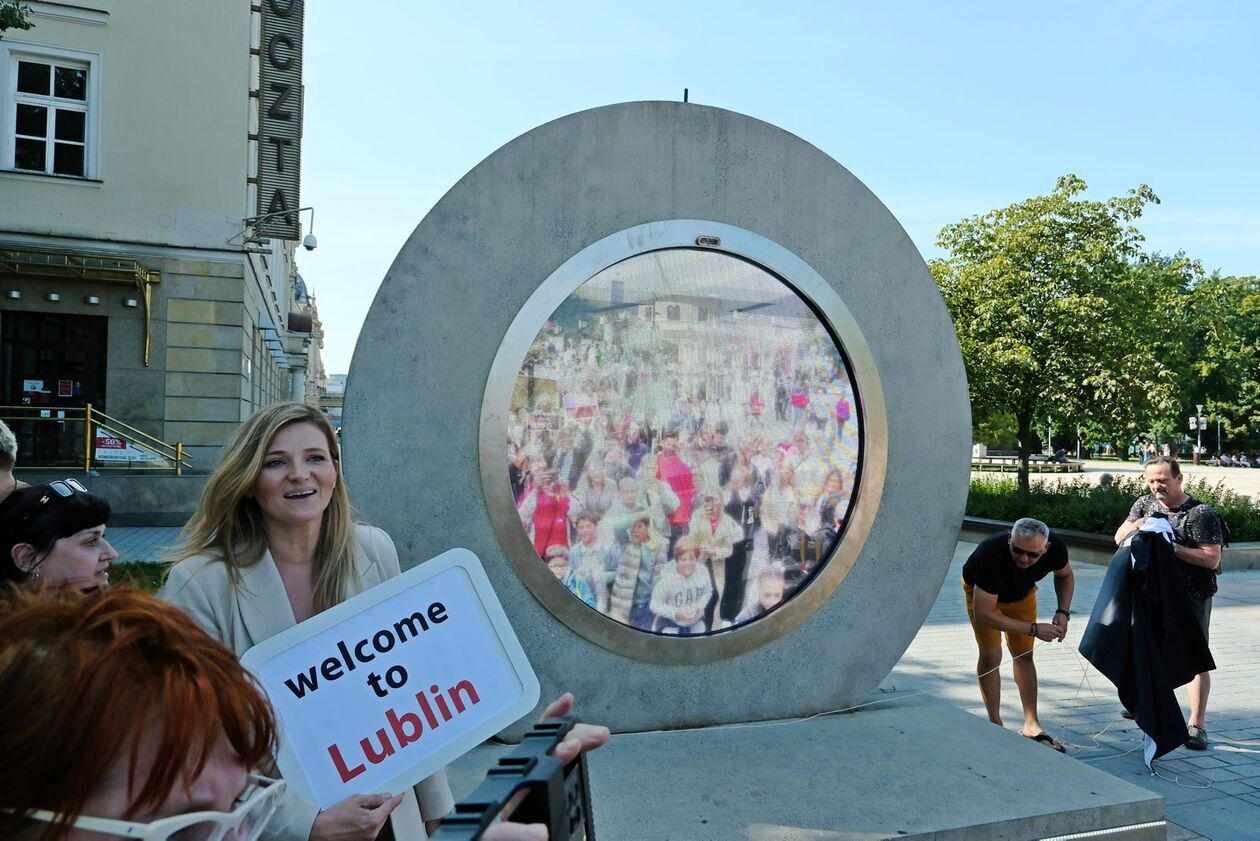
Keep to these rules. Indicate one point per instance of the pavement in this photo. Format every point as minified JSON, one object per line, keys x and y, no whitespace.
{"x":1212,"y":794}
{"x":140,"y":543}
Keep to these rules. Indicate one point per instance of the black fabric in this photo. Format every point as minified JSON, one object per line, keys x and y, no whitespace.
{"x":992,"y":569}
{"x":1144,"y":636}
{"x":1195,"y":523}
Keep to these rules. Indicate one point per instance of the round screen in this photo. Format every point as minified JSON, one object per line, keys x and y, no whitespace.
{"x":684,"y":442}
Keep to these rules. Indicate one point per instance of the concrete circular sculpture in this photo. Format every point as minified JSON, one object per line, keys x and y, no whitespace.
{"x":690,"y":289}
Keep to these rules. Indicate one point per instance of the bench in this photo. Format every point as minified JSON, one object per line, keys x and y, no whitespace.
{"x":1010,"y":464}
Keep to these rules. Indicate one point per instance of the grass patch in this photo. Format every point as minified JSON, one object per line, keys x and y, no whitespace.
{"x":147,"y":575}
{"x":1084,"y":506}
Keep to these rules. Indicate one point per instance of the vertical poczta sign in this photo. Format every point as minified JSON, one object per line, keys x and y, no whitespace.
{"x":280,"y":118}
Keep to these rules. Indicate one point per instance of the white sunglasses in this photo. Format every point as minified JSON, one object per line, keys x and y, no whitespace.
{"x":244,"y":823}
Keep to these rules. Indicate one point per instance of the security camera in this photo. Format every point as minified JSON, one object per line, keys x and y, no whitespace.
{"x":310,"y":243}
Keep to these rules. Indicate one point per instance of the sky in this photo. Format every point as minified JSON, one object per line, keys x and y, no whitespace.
{"x":944,"y":110}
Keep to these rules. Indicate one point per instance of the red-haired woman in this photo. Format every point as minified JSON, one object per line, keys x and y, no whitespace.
{"x":132,"y":722}
{"x":124,"y":719}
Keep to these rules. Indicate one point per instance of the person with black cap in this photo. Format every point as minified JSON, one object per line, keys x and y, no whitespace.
{"x":54,"y":535}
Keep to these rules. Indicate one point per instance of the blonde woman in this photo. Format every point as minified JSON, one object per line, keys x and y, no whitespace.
{"x":273,"y":543}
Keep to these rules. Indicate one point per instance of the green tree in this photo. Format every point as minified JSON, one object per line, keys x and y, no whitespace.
{"x":1159,"y":320}
{"x":1044,"y":302}
{"x":14,"y":14}
{"x":1225,"y":342}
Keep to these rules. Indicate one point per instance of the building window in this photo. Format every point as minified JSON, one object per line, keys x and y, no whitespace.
{"x":50,"y":114}
{"x":673,"y":312}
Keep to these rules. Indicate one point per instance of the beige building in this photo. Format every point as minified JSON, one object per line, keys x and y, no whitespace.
{"x":131,"y":276}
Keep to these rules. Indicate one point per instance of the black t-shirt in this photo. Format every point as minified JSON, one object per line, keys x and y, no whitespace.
{"x":1195,"y":523}
{"x":992,"y":569}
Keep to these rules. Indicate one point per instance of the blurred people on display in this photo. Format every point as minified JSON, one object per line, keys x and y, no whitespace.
{"x":758,"y":487}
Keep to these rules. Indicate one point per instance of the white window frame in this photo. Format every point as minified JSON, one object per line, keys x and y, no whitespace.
{"x":11,"y":52}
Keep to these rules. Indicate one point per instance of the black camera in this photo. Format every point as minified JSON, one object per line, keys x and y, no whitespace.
{"x":529,"y":785}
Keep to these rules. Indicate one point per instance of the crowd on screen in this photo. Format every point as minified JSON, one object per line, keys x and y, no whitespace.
{"x":682,"y":493}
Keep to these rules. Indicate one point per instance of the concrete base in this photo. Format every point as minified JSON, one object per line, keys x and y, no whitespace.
{"x":910,"y":768}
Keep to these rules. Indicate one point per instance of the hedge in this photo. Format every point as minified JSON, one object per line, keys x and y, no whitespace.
{"x":1082,"y":505}
{"x":147,"y":575}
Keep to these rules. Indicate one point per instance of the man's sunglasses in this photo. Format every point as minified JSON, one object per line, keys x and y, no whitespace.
{"x":1026,"y":553}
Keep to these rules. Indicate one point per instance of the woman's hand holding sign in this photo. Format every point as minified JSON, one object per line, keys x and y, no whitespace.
{"x":358,"y":817}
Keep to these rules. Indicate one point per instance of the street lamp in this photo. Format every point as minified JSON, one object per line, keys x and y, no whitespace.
{"x":1196,"y":425}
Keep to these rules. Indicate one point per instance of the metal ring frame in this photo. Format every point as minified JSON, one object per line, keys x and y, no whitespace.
{"x":873,"y":437}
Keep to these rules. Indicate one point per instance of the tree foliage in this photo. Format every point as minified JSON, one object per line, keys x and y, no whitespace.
{"x":14,"y":14}
{"x":1225,"y":362}
{"x":1052,"y":319}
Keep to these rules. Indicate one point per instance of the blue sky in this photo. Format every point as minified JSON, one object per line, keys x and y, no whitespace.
{"x":944,"y":110}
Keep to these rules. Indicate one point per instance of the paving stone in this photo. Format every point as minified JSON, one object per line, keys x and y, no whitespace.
{"x":1222,"y":819}
{"x":1180,"y":833}
{"x":1234,"y":758}
{"x":1216,"y":774}
{"x":1079,"y":703}
{"x":1205,"y":761}
{"x":1234,"y":787}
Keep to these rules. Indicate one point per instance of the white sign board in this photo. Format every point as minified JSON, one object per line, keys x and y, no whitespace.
{"x":384,"y":689}
{"x":111,"y":447}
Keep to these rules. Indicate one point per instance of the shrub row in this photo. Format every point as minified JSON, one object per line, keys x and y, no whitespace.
{"x":147,"y":575}
{"x":1084,"y":506}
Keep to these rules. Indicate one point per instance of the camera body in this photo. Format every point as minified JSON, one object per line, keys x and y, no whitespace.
{"x":529,"y":786}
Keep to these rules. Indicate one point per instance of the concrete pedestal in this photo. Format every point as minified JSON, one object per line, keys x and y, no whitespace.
{"x":911,"y":768}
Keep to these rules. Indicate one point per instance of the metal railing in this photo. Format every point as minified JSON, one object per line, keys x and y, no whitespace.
{"x":171,"y":456}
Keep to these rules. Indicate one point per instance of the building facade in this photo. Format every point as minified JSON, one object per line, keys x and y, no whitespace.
{"x":134,"y":273}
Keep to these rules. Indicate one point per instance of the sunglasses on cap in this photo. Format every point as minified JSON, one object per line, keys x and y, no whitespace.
{"x":63,"y":489}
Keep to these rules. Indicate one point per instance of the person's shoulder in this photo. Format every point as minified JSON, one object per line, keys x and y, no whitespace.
{"x":1195,"y":507}
{"x":204,"y":572}
{"x":377,"y":545}
{"x":988,"y":550}
{"x":369,"y":535}
{"x":992,"y":543}
{"x":1057,"y":550}
{"x":206,"y":566}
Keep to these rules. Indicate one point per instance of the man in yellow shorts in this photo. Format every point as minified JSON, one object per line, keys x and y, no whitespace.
{"x":1000,"y":586}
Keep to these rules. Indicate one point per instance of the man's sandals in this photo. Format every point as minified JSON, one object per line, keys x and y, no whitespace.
{"x":1047,"y":740}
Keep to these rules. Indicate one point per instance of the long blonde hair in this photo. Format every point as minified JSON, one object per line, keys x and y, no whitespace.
{"x":228,"y":522}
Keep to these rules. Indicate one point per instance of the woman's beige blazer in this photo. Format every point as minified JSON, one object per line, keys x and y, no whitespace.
{"x":259,"y":609}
